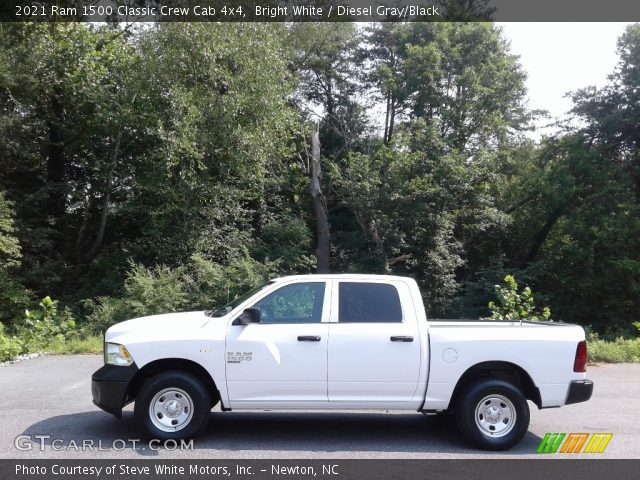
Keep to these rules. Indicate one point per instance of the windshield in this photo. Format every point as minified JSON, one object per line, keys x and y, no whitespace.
{"x":222,"y":311}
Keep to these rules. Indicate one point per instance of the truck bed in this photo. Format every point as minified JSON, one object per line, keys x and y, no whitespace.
{"x":545,"y":351}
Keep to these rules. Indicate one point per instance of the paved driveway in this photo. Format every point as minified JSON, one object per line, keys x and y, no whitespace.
{"x":51,"y":396}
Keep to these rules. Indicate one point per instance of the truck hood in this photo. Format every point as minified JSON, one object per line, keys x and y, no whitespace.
{"x":157,"y":327}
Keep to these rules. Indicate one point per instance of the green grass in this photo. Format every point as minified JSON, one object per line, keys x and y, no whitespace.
{"x":91,"y":344}
{"x":619,"y":351}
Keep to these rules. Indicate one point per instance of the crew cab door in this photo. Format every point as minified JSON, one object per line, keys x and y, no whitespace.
{"x":374,"y":345}
{"x":281,"y":361}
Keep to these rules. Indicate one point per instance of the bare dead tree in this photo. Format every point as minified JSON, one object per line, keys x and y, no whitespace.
{"x":319,"y":206}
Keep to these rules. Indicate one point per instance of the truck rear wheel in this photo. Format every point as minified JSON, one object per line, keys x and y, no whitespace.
{"x":172,"y":405}
{"x":493,"y":414}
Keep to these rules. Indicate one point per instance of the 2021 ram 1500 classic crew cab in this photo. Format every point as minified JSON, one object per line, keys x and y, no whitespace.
{"x":339,"y":342}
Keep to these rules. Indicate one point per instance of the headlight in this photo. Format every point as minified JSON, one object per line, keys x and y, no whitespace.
{"x":116,"y":354}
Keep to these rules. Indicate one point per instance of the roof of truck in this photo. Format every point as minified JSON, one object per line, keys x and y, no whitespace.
{"x":341,"y":276}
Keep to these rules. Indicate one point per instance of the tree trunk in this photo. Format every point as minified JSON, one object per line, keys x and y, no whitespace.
{"x":319,"y":206}
{"x":386,"y":119}
{"x":83,"y":227}
{"x":330,"y":103}
{"x":56,"y":166}
{"x":106,"y":200}
{"x":636,"y":174}
{"x":370,"y":230}
{"x":392,"y":120}
{"x":542,"y":234}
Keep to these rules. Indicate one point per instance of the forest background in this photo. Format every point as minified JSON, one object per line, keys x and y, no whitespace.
{"x":164,"y":167}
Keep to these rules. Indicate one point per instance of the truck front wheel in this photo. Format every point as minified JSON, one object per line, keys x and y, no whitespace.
{"x":493,"y":414}
{"x":172,"y":405}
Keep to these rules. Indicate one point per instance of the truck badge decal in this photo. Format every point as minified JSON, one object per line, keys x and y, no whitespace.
{"x":238,"y":357}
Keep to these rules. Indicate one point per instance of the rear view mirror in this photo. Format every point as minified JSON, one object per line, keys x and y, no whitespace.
{"x":249,"y":316}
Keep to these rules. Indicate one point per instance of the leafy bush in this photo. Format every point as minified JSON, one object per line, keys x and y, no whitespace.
{"x":102,"y":313}
{"x":10,"y":347}
{"x":147,"y":291}
{"x":40,"y":327}
{"x":513,"y":305}
{"x":622,"y":350}
{"x":76,"y":345}
{"x":286,"y":240}
{"x":13,"y":296}
{"x":198,"y":285}
{"x":155,"y":290}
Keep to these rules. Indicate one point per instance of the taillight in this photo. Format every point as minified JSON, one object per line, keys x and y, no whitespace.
{"x":580,"y":364}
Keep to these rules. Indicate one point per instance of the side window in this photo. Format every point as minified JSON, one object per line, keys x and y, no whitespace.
{"x":297,"y":303}
{"x":369,"y":302}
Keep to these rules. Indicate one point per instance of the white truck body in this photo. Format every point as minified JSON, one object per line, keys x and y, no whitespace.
{"x":316,"y":361}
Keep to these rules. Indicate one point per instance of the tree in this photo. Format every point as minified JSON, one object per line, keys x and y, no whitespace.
{"x":613,"y":113}
{"x":387,"y":71}
{"x":10,"y":253}
{"x":63,"y":83}
{"x":12,"y":294}
{"x":168,"y":142}
{"x":327,"y":65}
{"x":188,"y":146}
{"x":454,"y":101}
{"x":320,"y":206}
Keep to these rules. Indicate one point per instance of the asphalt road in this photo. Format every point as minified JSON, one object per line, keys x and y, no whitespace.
{"x":51,"y":396}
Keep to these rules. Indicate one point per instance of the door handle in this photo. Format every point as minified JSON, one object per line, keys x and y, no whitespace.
{"x":401,"y":339}
{"x":308,"y":338}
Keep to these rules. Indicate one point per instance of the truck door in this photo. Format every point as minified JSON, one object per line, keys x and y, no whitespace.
{"x":374,"y":345}
{"x":282,"y":361}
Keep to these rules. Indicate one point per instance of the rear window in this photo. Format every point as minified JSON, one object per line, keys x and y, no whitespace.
{"x":369,"y":302}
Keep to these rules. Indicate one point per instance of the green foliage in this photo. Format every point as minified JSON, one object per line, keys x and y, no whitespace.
{"x":10,"y":347}
{"x":45,"y":324}
{"x":170,"y":139}
{"x":198,"y":285}
{"x":13,"y":295}
{"x":286,"y":240}
{"x":463,"y":88}
{"x":10,"y":253}
{"x":67,"y":340}
{"x":155,"y":290}
{"x":166,"y":168}
{"x":611,"y":348}
{"x":327,"y":77}
{"x":620,"y":350}
{"x":76,"y":345}
{"x":514,"y":305}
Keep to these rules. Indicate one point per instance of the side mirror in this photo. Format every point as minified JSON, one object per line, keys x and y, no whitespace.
{"x":249,"y":316}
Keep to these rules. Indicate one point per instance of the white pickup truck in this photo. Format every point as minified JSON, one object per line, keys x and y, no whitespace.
{"x":321,"y":342}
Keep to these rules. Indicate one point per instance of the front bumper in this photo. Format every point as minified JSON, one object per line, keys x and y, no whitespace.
{"x":579,"y":391}
{"x":109,"y":387}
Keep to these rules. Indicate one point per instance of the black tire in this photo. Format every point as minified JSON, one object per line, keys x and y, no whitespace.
{"x":195,"y":405}
{"x":487,"y":397}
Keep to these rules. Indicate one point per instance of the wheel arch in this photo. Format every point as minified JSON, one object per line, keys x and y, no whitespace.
{"x":166,"y":364}
{"x":500,"y":370}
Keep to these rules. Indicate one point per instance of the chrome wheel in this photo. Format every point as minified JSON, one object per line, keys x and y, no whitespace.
{"x":495,"y":416}
{"x":171,"y":409}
